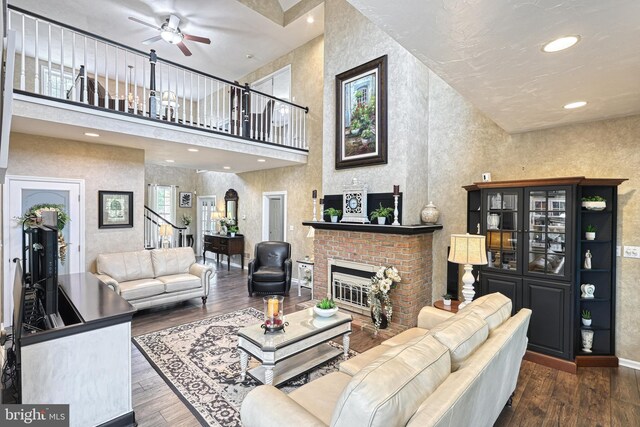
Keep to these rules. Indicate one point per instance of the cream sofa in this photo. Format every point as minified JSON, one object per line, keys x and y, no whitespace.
{"x":452,"y":370}
{"x":148,"y":278}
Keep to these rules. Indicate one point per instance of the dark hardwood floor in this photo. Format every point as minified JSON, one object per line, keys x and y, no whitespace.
{"x":544,"y":396}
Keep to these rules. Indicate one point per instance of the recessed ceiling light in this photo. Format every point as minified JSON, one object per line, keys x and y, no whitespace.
{"x":261,"y":160}
{"x":310,"y":19}
{"x":560,"y":43}
{"x":93,"y":134}
{"x":577,"y":104}
{"x":226,"y":167}
{"x":170,"y":161}
{"x":193,"y":150}
{"x":249,"y":56}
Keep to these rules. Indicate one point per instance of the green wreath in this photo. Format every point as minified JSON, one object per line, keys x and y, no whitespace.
{"x":33,"y":217}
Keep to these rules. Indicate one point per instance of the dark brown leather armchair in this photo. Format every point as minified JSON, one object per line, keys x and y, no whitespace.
{"x":270,"y":270}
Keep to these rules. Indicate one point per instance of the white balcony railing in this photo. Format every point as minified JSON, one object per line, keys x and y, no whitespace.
{"x":61,"y":62}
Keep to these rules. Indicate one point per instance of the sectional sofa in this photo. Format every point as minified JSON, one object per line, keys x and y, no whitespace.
{"x":452,"y":370}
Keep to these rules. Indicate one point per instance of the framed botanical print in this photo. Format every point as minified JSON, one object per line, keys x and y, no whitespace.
{"x":361,"y":115}
{"x":185,"y":199}
{"x":115,"y":209}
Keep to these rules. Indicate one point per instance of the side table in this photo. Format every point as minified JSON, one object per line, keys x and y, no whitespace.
{"x":453,"y":308}
{"x":305,"y":275}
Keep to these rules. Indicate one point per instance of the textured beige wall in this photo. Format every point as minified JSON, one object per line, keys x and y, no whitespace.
{"x":351,"y":40}
{"x":102,"y":167}
{"x":298,"y":181}
{"x":184,"y":178}
{"x":463,"y":143}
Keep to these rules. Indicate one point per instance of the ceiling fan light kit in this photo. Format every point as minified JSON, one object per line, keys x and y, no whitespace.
{"x":170,"y":32}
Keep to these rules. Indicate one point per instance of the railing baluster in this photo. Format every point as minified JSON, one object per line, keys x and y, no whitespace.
{"x":63,"y":90}
{"x":135,"y":85}
{"x":304,"y":130}
{"x":144,"y":86}
{"x":106,"y":77}
{"x":184,"y":96}
{"x":48,"y":82}
{"x":23,"y":73}
{"x":198,"y":98}
{"x":175,"y":115}
{"x":95,"y":74}
{"x":217,"y":116}
{"x":85,"y":94}
{"x":73,"y":65}
{"x":190,"y":98}
{"x":204,"y":115}
{"x":37,"y":57}
{"x":117,"y":78}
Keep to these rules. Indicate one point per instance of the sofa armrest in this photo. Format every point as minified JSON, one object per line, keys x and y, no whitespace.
{"x":260,"y":403}
{"x":287,"y":268}
{"x":109,"y":281}
{"x":431,"y":316}
{"x":204,"y":272}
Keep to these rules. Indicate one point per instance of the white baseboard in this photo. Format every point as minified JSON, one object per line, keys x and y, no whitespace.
{"x":629,"y":364}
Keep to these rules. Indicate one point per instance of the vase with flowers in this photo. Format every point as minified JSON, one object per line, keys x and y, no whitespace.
{"x":386,"y":278}
{"x":225,"y":224}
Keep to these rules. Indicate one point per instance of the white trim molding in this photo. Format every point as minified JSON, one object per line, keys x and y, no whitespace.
{"x":265,"y":213}
{"x":629,"y":363}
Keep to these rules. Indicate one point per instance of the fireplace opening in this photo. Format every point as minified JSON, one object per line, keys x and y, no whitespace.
{"x":349,"y":284}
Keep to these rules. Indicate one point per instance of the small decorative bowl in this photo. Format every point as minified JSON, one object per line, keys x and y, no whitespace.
{"x":325,"y":312}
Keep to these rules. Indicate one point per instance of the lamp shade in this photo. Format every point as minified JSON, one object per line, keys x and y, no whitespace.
{"x":169,"y":98}
{"x":166,"y":230}
{"x":468,"y":249}
{"x":215,"y":215}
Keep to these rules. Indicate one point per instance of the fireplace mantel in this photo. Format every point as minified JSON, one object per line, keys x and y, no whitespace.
{"x":374,"y":228}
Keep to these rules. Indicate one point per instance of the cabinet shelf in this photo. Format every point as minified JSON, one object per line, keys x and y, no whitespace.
{"x":594,"y":270}
{"x":595,"y":241}
{"x":594,"y":300}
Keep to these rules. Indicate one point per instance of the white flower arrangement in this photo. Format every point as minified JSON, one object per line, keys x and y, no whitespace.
{"x":186,"y":219}
{"x":385,"y":279}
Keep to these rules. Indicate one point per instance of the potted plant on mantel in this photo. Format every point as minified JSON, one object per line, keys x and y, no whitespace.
{"x":333,"y":213}
{"x":594,"y":203}
{"x":590,"y":232}
{"x":381,"y":214}
{"x":446,"y":299}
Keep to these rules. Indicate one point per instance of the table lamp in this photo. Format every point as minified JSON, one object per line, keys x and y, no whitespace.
{"x":166,"y":231}
{"x":469,"y":250}
{"x":215,"y":217}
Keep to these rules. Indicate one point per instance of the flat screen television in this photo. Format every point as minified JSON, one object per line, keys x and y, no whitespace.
{"x":41,"y":253}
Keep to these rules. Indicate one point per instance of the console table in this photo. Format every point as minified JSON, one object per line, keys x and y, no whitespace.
{"x":225,"y":245}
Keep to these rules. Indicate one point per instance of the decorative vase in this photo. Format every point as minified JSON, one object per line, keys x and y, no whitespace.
{"x":588,"y":290}
{"x":383,"y":319}
{"x":223,"y":230}
{"x":493,"y":221}
{"x":232,"y":234}
{"x":590,"y":235}
{"x":586,"y":322}
{"x":430,"y":214}
{"x":334,"y":218}
{"x":382,"y":220}
{"x":587,"y":340}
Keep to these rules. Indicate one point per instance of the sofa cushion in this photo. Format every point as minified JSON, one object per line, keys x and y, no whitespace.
{"x":356,"y":363}
{"x":180,"y":282}
{"x":172,"y":261}
{"x":462,"y":337}
{"x":125,"y":266}
{"x":405,"y":336}
{"x":141,"y":288}
{"x":388,"y":391}
{"x":493,"y":308}
{"x":320,"y":395}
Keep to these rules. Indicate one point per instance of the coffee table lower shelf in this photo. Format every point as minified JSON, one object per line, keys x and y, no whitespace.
{"x":296,"y":365}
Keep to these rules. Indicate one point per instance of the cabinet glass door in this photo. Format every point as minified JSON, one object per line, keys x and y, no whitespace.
{"x":547,"y":232}
{"x":502,"y":224}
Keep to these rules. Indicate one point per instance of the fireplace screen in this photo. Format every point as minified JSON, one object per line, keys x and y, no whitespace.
{"x":350,"y":292}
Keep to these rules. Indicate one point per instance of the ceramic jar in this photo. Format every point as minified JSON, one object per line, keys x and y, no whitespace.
{"x":430,"y":214}
{"x":587,"y":340}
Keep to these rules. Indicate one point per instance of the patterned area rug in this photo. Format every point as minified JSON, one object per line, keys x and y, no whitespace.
{"x":200,"y":362}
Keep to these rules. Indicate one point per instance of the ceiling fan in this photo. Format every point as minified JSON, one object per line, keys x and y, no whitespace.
{"x":171,"y":33}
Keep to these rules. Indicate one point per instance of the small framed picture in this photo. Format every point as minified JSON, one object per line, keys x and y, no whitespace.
{"x":185,"y":199}
{"x":115,"y":209}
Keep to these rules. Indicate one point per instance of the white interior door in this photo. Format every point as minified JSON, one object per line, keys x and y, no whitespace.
{"x":206,"y":224}
{"x":274,"y":216}
{"x":21,"y":193}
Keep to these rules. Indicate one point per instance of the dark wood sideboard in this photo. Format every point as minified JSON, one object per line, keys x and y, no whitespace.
{"x":224,"y":245}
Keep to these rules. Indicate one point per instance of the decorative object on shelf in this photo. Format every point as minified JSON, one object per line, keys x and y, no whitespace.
{"x":486,"y":177}
{"x":446,"y":299}
{"x":586,"y":317}
{"x":325,"y":308}
{"x":115,"y":209}
{"x":333,"y":213}
{"x":590,"y":232}
{"x":361,"y":115}
{"x":493,"y":221}
{"x":386,"y":278}
{"x":594,"y":203}
{"x":496,"y":201}
{"x":321,"y":210}
{"x":185,"y":199}
{"x":273,"y":314}
{"x":354,"y":202}
{"x":396,"y":196}
{"x":469,"y":250}
{"x":233,"y":230}
{"x":314,"y":196}
{"x":381,"y":214}
{"x":170,"y":104}
{"x":48,"y":214}
{"x":166,"y":231}
{"x":587,"y":260}
{"x":588,"y":290}
{"x":587,"y":340}
{"x":430,"y":214}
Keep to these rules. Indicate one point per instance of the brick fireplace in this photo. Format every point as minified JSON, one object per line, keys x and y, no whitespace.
{"x":408,"y":248}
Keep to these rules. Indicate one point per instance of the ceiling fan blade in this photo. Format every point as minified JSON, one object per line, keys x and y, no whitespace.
{"x":152,"y":40}
{"x":197,"y":38}
{"x":145,"y":23}
{"x":174,"y":21}
{"x":184,"y":49}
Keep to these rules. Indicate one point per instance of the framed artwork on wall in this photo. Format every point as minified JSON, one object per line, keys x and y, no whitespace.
{"x":361,"y":115}
{"x":185,"y":199}
{"x":115,"y":209}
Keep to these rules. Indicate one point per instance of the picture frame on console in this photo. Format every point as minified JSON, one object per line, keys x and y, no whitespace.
{"x":115,"y":209}
{"x":361,"y":115}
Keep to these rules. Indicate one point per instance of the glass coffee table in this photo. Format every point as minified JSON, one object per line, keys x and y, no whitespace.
{"x":300,"y":348}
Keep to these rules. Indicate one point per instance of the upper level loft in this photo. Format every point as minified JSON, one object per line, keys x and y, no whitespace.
{"x":69,"y":83}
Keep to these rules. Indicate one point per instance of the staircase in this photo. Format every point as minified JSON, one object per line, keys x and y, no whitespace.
{"x":159,"y":233}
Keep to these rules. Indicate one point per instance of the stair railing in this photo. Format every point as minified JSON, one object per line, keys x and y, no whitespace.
{"x":158,"y":230}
